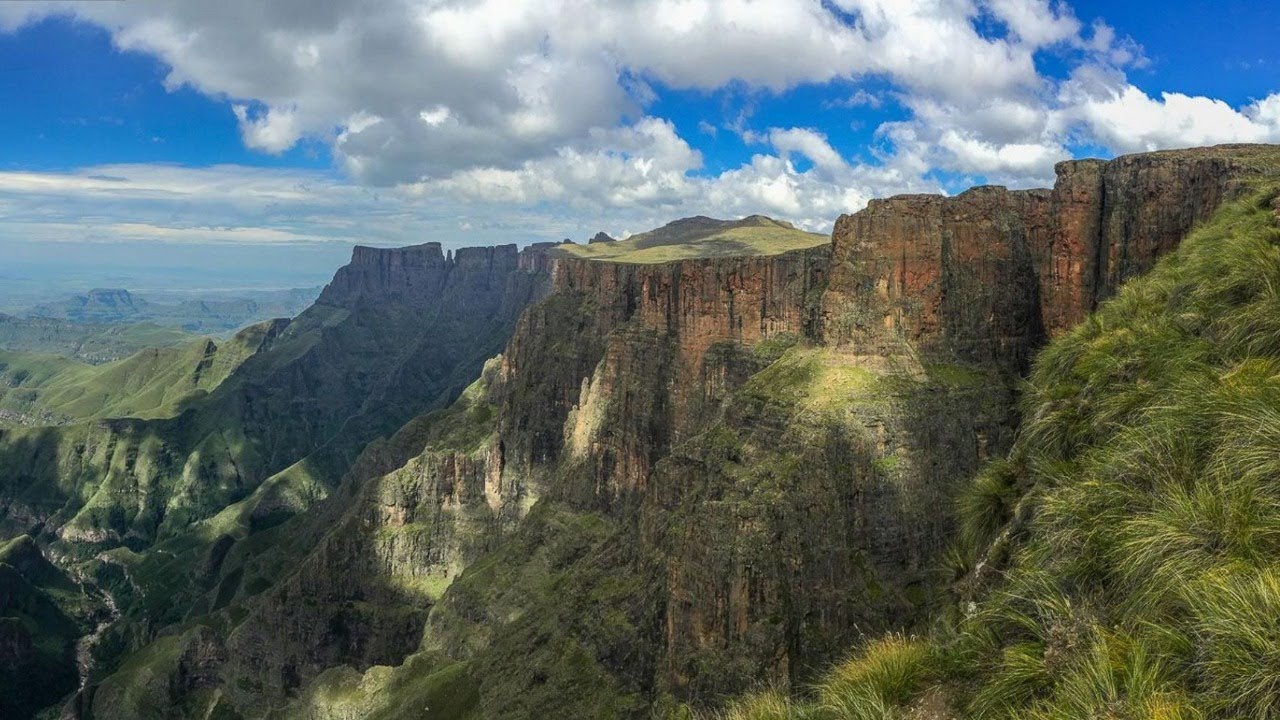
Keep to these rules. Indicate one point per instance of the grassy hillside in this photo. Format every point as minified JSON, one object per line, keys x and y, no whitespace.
{"x":211,"y":312}
{"x":700,"y":237}
{"x":1122,"y":561}
{"x":42,"y":614}
{"x":90,"y":343}
{"x":153,"y":383}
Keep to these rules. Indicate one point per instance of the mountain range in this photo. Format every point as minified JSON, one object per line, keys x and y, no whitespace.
{"x":1002,"y":454}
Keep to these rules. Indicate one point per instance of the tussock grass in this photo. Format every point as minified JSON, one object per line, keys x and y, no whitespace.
{"x":1130,"y":544}
{"x":1152,"y":442}
{"x":876,"y":682}
{"x":770,"y":705}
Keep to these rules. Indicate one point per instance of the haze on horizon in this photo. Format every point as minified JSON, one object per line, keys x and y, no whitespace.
{"x":230,"y":144}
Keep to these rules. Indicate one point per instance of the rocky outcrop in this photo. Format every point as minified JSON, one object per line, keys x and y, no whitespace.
{"x":740,"y":464}
{"x":648,"y":346}
{"x":989,"y":273}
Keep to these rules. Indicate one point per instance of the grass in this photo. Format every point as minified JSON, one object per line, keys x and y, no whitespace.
{"x":1124,"y":559}
{"x":87,"y":342}
{"x":884,"y":675}
{"x":701,"y":238}
{"x":1150,"y":458}
{"x":815,"y":379}
{"x":153,"y":383}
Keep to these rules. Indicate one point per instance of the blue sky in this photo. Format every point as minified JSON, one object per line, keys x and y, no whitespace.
{"x":148,"y":143}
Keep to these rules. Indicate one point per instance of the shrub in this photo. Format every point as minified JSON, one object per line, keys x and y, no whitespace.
{"x":875,"y":682}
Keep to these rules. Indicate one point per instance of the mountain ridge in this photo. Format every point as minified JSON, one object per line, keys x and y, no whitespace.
{"x":697,"y":237}
{"x":676,"y":481}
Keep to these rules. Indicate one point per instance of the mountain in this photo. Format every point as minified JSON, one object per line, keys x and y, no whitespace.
{"x":1119,"y":559}
{"x":697,"y":237}
{"x":90,"y":343}
{"x":506,"y":485}
{"x":139,"y":506}
{"x":217,"y":312}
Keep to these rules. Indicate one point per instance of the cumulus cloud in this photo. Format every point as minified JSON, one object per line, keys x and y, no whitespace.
{"x":274,"y":131}
{"x":461,"y":110}
{"x":1126,"y":119}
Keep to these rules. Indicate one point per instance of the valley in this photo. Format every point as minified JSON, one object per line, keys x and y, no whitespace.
{"x":719,"y":469}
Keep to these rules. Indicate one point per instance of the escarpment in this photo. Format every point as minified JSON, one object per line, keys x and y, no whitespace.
{"x":680,"y":480}
{"x":778,"y":441}
{"x":640,"y":355}
{"x":175,"y":513}
{"x":988,"y":274}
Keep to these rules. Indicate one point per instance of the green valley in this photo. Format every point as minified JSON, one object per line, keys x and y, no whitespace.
{"x":1001,"y":454}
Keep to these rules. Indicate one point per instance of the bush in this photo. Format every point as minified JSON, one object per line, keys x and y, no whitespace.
{"x":875,"y":682}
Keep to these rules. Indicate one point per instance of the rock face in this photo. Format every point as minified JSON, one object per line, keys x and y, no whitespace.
{"x":988,"y":273}
{"x":689,"y":478}
{"x":398,"y":333}
{"x":643,"y":352}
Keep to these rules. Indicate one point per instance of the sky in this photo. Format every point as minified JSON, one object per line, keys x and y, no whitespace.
{"x":240,"y":142}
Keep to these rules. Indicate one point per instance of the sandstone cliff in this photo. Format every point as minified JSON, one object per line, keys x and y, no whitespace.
{"x":173,"y":513}
{"x":985,"y":275}
{"x":698,"y":476}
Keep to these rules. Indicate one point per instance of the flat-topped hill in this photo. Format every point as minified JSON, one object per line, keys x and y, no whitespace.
{"x":700,"y":237}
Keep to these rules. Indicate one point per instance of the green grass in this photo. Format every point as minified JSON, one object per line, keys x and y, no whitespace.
{"x":815,"y":379}
{"x":152,"y":383}
{"x":885,"y":674}
{"x":1124,"y":560}
{"x":1147,"y":470}
{"x":701,"y":238}
{"x":87,"y":342}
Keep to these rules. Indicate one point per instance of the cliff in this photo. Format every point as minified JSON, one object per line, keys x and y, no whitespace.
{"x":693,"y":478}
{"x":1116,"y":563}
{"x":988,"y":274}
{"x":774,"y":445}
{"x":653,"y":345}
{"x":152,"y":508}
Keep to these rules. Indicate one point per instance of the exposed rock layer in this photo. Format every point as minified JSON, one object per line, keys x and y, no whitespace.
{"x":988,"y":273}
{"x":740,"y":463}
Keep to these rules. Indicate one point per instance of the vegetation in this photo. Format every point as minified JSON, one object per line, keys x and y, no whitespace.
{"x":153,"y":383}
{"x":701,"y":237}
{"x":1122,"y":561}
{"x":90,"y":343}
{"x":42,"y":613}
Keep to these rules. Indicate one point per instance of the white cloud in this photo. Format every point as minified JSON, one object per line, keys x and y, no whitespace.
{"x":489,"y":113}
{"x":274,"y":131}
{"x":1126,"y":119}
{"x":522,"y":79}
{"x":1035,"y":21}
{"x":809,"y":143}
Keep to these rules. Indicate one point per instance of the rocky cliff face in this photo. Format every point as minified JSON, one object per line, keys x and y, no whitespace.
{"x":173,"y":513}
{"x":698,"y":476}
{"x":988,"y":273}
{"x":640,"y":355}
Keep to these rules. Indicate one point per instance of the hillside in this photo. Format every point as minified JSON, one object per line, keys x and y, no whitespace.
{"x":153,"y":383}
{"x":698,"y":237}
{"x":1120,"y":560}
{"x":90,"y":343}
{"x":502,"y":485}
